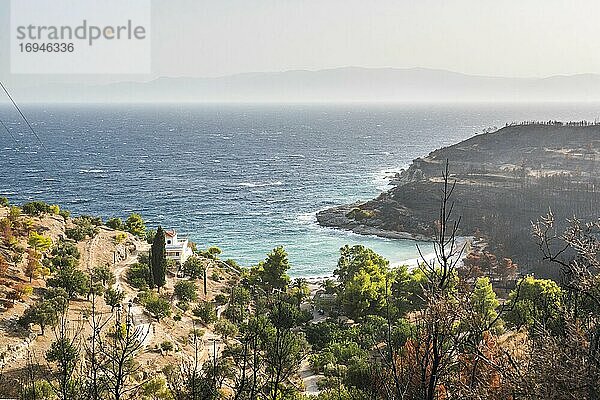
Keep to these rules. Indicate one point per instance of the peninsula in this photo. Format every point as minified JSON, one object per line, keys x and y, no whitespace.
{"x":504,"y":180}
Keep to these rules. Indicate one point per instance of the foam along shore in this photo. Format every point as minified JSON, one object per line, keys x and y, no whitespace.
{"x":463,"y":241}
{"x":413,"y":263}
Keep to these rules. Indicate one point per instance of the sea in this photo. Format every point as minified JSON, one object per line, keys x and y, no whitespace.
{"x":243,"y":177}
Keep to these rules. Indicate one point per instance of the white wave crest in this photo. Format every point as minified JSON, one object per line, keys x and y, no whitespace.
{"x":260,"y":184}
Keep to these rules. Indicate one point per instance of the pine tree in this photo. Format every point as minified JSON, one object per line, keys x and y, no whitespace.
{"x":158,"y":261}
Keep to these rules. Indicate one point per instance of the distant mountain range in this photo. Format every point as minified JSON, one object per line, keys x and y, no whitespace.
{"x":349,"y":84}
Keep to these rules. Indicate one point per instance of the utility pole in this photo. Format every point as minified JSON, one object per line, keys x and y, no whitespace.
{"x":215,"y":364}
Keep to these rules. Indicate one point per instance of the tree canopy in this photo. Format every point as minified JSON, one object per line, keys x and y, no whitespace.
{"x":186,"y":291}
{"x":39,"y":242}
{"x":72,"y":280}
{"x":135,"y":225}
{"x":364,"y":278}
{"x":272,"y":272}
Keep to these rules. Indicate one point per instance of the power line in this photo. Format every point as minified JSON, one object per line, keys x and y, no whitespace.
{"x":16,"y":142}
{"x":50,"y":156}
{"x":24,"y":118}
{"x":9,"y":132}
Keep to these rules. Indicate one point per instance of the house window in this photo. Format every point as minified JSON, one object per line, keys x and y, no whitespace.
{"x":177,"y":253}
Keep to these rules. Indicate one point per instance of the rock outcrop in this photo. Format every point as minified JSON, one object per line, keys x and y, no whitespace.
{"x":504,"y":180}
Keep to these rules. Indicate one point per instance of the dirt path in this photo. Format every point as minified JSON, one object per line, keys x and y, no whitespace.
{"x":141,"y":321}
{"x":90,"y":252}
{"x":98,"y":250}
{"x":309,"y":378}
{"x":120,"y":270}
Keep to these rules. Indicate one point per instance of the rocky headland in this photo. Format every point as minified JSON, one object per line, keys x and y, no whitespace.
{"x":504,"y":180}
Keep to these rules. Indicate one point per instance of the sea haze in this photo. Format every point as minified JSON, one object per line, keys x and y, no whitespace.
{"x":245,"y":177}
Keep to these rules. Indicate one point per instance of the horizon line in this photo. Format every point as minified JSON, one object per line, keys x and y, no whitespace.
{"x":317,"y":70}
{"x":349,"y":67}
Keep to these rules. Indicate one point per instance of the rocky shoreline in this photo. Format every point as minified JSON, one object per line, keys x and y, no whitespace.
{"x":337,"y":218}
{"x":504,"y":180}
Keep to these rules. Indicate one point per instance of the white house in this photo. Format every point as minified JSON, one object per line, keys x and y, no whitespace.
{"x":178,"y":248}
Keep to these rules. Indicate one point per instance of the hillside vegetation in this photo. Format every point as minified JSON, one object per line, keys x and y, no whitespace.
{"x":96,"y":312}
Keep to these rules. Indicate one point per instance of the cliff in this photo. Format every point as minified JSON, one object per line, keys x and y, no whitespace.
{"x":504,"y":180}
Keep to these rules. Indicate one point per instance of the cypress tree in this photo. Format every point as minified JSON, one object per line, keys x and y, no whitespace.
{"x":158,"y":261}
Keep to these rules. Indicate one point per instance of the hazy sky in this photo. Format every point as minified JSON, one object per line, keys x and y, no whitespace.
{"x":521,"y":38}
{"x":509,"y":38}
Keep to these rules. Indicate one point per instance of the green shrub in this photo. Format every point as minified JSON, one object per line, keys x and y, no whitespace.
{"x":167,"y":346}
{"x":216,"y":275}
{"x":120,"y":237}
{"x":96,"y":221}
{"x":115,"y":223}
{"x":197,"y":332}
{"x":135,"y":225}
{"x":35,"y":208}
{"x":186,"y":291}
{"x":14,"y":213}
{"x":155,"y":305}
{"x":150,"y":235}
{"x":85,"y":226}
{"x":359,"y":214}
{"x":194,"y":268}
{"x":64,"y":255}
{"x":226,"y":328}
{"x":65,"y":214}
{"x":206,"y":311}
{"x":41,"y":390}
{"x":221,"y":298}
{"x":183,"y":306}
{"x":72,"y":280}
{"x":138,"y":276}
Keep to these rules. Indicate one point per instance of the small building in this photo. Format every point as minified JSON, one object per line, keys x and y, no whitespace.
{"x":178,"y":248}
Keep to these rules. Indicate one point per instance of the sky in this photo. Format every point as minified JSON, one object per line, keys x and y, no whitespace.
{"x":200,"y":38}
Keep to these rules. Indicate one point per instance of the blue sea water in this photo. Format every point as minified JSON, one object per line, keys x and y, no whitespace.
{"x":244,"y":177}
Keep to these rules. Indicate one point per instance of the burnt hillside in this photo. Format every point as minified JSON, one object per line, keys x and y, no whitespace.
{"x":504,"y":180}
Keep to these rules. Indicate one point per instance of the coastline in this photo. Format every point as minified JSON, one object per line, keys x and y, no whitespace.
{"x":501,"y":181}
{"x":337,"y":218}
{"x":411,"y":263}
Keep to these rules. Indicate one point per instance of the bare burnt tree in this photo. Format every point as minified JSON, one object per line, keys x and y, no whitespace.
{"x":30,"y":383}
{"x":442,"y":269}
{"x":436,"y":342}
{"x":117,"y":350}
{"x":193,"y":380}
{"x":64,"y":353}
{"x":246,"y":357}
{"x":417,"y":369}
{"x":284,"y":349}
{"x":577,"y":252}
{"x":449,"y":353}
{"x":93,"y":386}
{"x":577,"y":344}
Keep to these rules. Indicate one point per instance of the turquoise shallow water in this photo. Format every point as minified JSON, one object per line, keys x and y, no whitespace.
{"x":243,"y":177}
